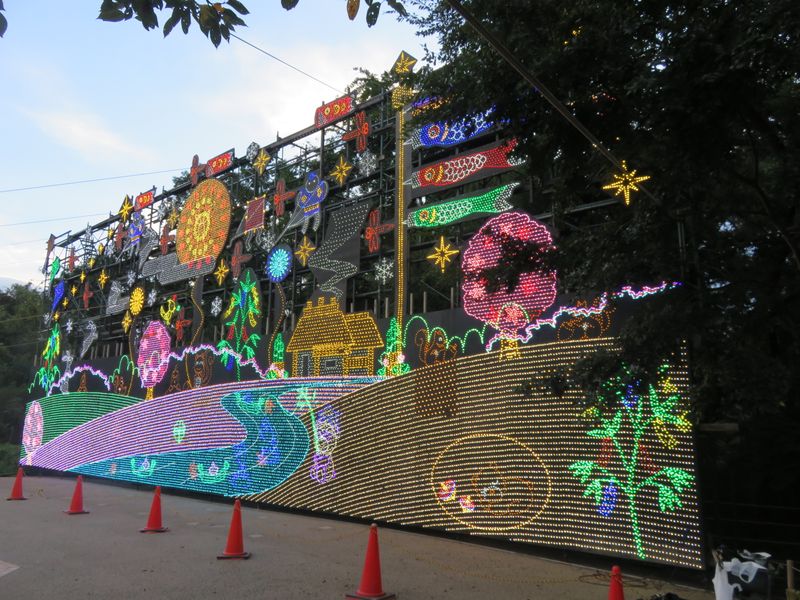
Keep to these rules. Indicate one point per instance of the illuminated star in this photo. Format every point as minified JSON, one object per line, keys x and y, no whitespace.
{"x":102,"y":279}
{"x":126,"y":321}
{"x":304,"y":250}
{"x":222,"y":272}
{"x":65,"y":302}
{"x":173,"y":218}
{"x":441,"y":254}
{"x":404,"y":63}
{"x":74,"y":289}
{"x":261,"y":160}
{"x":56,"y":316}
{"x":110,"y":233}
{"x":83,"y":276}
{"x":625,"y":183}
{"x":101,"y":248}
{"x":341,"y":171}
{"x":126,"y":209}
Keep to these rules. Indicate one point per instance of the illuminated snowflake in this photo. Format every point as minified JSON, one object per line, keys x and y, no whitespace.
{"x":216,"y":306}
{"x":366,"y":163}
{"x":130,"y":278}
{"x":279,"y":263}
{"x":151,"y":297}
{"x":384,"y":270}
{"x":68,"y":327}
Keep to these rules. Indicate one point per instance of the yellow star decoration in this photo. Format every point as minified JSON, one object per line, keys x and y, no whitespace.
{"x":341,"y":171}
{"x":441,"y":254}
{"x":102,"y":279}
{"x":126,"y":321}
{"x":110,"y":233}
{"x":304,"y":250}
{"x":173,"y":218}
{"x":65,"y":303}
{"x":56,"y":316}
{"x":260,"y":162}
{"x":625,"y":183}
{"x":101,"y":248}
{"x":126,"y":209}
{"x":74,"y":289}
{"x":404,"y":63}
{"x":91,"y":262}
{"x":83,"y":276}
{"x":221,"y":272}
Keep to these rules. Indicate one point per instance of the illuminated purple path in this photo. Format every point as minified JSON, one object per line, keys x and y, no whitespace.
{"x":147,"y":427}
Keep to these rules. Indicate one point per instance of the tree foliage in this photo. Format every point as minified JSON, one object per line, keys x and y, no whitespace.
{"x":20,"y":309}
{"x":702,"y":97}
{"x":217,"y":20}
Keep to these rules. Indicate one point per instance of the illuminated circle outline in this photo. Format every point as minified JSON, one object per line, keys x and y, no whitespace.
{"x":286,"y":251}
{"x":508,"y":439}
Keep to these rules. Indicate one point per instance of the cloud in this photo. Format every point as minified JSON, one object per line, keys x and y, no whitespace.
{"x":86,"y":134}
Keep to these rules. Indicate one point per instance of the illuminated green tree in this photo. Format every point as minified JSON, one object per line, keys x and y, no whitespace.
{"x":623,"y":402}
{"x":49,"y":372}
{"x":392,"y":359}
{"x":242,"y":314}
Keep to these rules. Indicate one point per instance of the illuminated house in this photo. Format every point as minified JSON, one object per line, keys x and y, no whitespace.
{"x":329,"y":342}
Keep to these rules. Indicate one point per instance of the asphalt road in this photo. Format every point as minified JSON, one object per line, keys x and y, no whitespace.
{"x":45,"y":553}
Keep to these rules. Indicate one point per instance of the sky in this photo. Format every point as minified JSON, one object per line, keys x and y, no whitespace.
{"x":86,"y":99}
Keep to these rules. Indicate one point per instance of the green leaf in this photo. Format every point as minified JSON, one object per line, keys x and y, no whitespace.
{"x":372,"y":13}
{"x":208,"y":19}
{"x":171,"y":22}
{"x":595,"y":489}
{"x":186,"y":20}
{"x":1,"y":5}
{"x":289,"y":4}
{"x":238,"y":7}
{"x":679,"y":478}
{"x":110,"y":12}
{"x":597,"y":433}
{"x":3,"y":25}
{"x":668,"y":500}
{"x":398,"y":6}
{"x":582,"y":469}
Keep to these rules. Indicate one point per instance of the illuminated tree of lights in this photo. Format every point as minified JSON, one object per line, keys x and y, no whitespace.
{"x":623,"y":399}
{"x":498,"y":246}
{"x":393,"y":360}
{"x":49,"y":372}
{"x":243,"y":311}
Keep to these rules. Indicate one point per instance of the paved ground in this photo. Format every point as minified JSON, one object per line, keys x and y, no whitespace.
{"x":47,"y":554}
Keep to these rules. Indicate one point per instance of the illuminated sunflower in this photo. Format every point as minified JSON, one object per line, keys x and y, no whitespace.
{"x":203,"y":223}
{"x":137,"y":300}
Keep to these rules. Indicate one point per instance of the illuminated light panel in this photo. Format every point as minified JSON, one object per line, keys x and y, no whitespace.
{"x":144,"y":199}
{"x":308,"y":201}
{"x":505,"y":455}
{"x":452,"y":211}
{"x":375,"y":229}
{"x":464,"y":167}
{"x":333,"y":111}
{"x":625,"y":182}
{"x":447,"y":133}
{"x":304,"y":250}
{"x":241,"y":319}
{"x":344,"y":225}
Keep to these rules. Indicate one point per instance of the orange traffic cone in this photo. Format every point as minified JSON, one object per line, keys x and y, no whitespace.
{"x":235,"y":546}
{"x":16,"y":491}
{"x":370,"y":587}
{"x":615,"y":587}
{"x":154,"y":520}
{"x":76,"y":506}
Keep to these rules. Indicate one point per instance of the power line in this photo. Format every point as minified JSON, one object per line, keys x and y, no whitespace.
{"x":63,"y":183}
{"x":51,"y":220}
{"x":338,"y":91}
